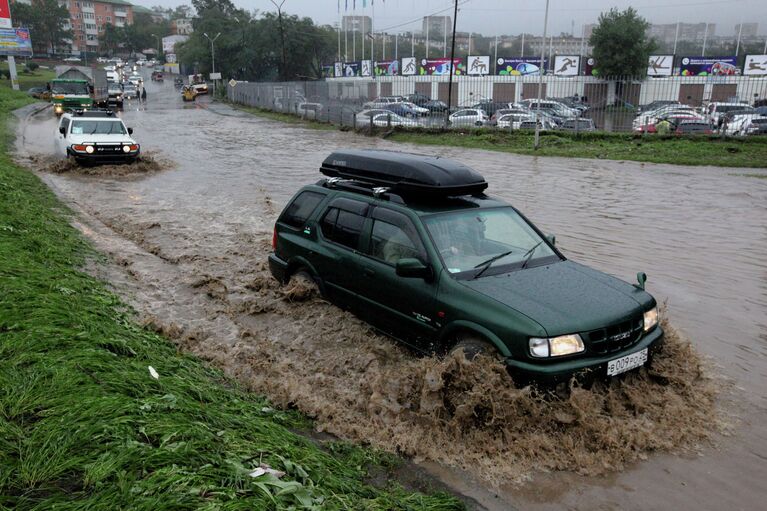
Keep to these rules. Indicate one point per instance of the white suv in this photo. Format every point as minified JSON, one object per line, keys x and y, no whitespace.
{"x":96,"y":136}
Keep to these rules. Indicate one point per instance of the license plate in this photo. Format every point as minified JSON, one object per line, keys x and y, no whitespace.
{"x":627,"y":363}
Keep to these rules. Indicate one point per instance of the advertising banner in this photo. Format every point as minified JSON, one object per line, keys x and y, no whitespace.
{"x":520,"y":66}
{"x":567,"y":65}
{"x":328,"y":71}
{"x":351,"y":69}
{"x":15,"y":42}
{"x":408,"y":66}
{"x":755,"y":65}
{"x":478,"y":65}
{"x":366,"y":68}
{"x":439,"y":67}
{"x":338,"y":69}
{"x":708,"y":66}
{"x":660,"y":65}
{"x":590,"y":67}
{"x":5,"y":14}
{"x":386,"y":68}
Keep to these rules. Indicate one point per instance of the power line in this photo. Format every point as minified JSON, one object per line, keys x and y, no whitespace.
{"x":416,"y":20}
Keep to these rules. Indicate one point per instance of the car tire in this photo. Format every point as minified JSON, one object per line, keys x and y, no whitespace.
{"x":478,"y":123}
{"x":473,"y":345}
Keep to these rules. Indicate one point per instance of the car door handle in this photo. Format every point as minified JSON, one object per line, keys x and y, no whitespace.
{"x":368,"y":272}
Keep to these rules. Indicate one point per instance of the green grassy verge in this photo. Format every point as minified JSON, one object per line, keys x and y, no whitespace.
{"x":38,"y":77}
{"x":709,"y":150}
{"x":83,"y":424}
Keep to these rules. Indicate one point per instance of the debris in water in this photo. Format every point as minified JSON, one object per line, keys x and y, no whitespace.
{"x":153,"y":373}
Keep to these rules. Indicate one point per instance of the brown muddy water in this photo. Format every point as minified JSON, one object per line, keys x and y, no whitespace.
{"x":189,"y":246}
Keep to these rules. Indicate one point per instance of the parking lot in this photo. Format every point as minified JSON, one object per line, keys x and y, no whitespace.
{"x":190,"y":242}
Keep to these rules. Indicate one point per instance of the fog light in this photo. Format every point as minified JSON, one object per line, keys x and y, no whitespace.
{"x":89,"y":149}
{"x":650,"y":319}
{"x":541,"y":347}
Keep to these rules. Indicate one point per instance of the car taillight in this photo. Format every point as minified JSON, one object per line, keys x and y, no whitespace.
{"x":274,"y":238}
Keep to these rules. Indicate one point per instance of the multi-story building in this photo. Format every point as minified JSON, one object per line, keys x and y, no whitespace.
{"x":182,"y":26}
{"x":436,"y":26}
{"x":670,"y":32}
{"x":361,"y":24}
{"x":89,"y":18}
{"x":748,"y":31}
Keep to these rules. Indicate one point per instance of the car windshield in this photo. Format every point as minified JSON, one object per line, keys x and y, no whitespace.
{"x":93,"y":127}
{"x":470,"y":240}
{"x":70,"y":88}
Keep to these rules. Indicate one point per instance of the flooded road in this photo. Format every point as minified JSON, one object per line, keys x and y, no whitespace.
{"x":189,"y":244}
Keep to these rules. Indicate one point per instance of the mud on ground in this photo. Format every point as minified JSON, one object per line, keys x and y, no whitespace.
{"x":305,"y":353}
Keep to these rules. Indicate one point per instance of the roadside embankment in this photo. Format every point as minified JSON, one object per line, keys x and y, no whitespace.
{"x":97,"y":412}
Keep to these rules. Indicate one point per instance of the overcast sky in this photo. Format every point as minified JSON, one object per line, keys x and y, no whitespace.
{"x":492,"y":17}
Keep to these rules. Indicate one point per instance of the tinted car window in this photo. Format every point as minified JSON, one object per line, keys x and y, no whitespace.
{"x":301,"y":208}
{"x":394,"y":237}
{"x":343,"y":227}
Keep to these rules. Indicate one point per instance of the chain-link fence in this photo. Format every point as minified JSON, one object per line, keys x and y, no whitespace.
{"x":730,"y":105}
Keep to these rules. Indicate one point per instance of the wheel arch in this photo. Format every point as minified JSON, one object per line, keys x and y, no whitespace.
{"x":297,"y":264}
{"x":451,"y":332}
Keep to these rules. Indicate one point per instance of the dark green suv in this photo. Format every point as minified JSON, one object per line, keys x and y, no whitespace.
{"x":412,"y":245}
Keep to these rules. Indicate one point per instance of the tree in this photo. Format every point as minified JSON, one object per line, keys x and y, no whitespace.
{"x":621,"y":45}
{"x":46,"y":20}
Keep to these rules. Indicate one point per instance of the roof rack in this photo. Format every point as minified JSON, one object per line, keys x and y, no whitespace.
{"x":351,"y":185}
{"x":92,"y":112}
{"x":403,"y":174}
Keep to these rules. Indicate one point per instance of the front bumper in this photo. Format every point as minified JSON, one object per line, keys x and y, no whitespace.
{"x":523,"y":372}
{"x":103,"y":157}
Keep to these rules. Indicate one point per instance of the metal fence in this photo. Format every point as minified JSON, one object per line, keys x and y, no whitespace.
{"x":620,"y":104}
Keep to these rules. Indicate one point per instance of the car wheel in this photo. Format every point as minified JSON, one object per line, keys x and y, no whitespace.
{"x":478,"y":123}
{"x":472,"y":346}
{"x":302,"y":286}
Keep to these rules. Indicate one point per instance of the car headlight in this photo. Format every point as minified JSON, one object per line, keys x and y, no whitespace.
{"x":650,"y":319}
{"x":89,"y":149}
{"x":543,"y":347}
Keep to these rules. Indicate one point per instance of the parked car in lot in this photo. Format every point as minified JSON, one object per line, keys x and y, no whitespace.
{"x":435,"y":106}
{"x":656,"y":105}
{"x":413,"y":245}
{"x":310,"y":110}
{"x":514,"y":120}
{"x":506,"y":111}
{"x":383,"y":101}
{"x":362,"y":119}
{"x":390,"y":119}
{"x":95,"y":136}
{"x":468,"y":117}
{"x":694,"y":127}
{"x":577,"y":125}
{"x":403,"y":109}
{"x":716,"y":110}
{"x":544,"y":123}
{"x":418,"y":99}
{"x":744,"y":124}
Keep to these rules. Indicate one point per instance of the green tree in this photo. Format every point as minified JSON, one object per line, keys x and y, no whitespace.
{"x":621,"y":45}
{"x":46,"y":20}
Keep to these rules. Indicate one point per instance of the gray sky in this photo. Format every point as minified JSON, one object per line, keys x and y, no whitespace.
{"x":491,"y":17}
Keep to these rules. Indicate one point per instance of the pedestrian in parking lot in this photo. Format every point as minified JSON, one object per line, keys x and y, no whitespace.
{"x":143,"y":93}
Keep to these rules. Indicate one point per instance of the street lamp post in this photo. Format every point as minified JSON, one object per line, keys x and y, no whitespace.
{"x":159,"y":51}
{"x":212,"y":52}
{"x":540,"y":79}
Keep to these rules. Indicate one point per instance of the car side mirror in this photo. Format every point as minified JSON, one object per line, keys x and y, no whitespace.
{"x":130,"y":131}
{"x":641,"y":279}
{"x":552,"y":239}
{"x":62,"y":130}
{"x":412,"y":268}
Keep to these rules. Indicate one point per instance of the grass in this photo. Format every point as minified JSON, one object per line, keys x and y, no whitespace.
{"x":702,"y":150}
{"x":38,"y":77}
{"x":695,"y":150}
{"x":83,"y":424}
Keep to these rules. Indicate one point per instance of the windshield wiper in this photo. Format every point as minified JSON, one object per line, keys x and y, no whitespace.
{"x":529,"y":254}
{"x":487,"y":264}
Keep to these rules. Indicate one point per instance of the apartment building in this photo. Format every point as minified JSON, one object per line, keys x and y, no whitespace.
{"x":182,"y":26}
{"x":89,"y":18}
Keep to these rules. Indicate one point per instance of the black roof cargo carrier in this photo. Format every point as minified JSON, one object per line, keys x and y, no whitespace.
{"x":405,"y":173}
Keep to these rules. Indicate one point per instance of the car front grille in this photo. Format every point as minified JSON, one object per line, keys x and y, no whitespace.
{"x":615,"y":337}
{"x":109,"y":149}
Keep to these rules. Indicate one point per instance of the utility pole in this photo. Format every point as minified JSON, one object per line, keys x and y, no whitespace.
{"x":540,"y":80}
{"x":282,"y":38}
{"x":396,"y":47}
{"x":452,"y":61}
{"x":412,"y":43}
{"x":676,"y":38}
{"x":428,"y":22}
{"x":740,"y":31}
{"x":444,"y":36}
{"x":523,"y":45}
{"x":495,"y":59}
